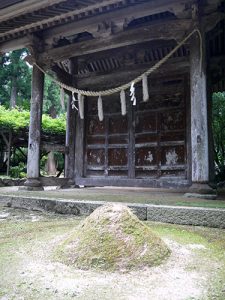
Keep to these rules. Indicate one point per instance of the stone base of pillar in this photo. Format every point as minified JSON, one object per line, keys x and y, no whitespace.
{"x":69,"y":185}
{"x":201,"y":190}
{"x":32,"y":184}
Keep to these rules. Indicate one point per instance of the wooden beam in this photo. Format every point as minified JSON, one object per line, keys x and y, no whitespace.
{"x":14,"y":44}
{"x":52,"y":147}
{"x":118,"y":17}
{"x":95,"y":81}
{"x":170,"y":30}
{"x":62,"y":75}
{"x":25,"y":7}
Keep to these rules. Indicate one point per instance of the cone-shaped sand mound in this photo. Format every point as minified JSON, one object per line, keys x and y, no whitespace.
{"x":112,"y":238}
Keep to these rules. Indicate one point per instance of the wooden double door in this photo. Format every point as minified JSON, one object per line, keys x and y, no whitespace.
{"x":148,"y":143}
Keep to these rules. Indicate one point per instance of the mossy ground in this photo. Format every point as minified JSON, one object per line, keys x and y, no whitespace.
{"x":27,"y":271}
{"x":113,"y":238}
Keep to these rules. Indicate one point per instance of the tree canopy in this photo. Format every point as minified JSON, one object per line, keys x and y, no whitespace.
{"x":15,"y":80}
{"x":15,"y":83}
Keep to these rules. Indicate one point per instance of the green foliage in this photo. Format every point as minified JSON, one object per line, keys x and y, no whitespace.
{"x":56,"y":126}
{"x":18,"y":171}
{"x":219,"y":133}
{"x":15,"y":83}
{"x":18,"y":157}
{"x":16,"y":120}
{"x":15,"y":73}
{"x":51,"y":103}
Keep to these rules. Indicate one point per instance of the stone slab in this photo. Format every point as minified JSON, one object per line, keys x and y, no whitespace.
{"x":78,"y":208}
{"x":167,"y":214}
{"x":210,"y":217}
{"x":201,"y":196}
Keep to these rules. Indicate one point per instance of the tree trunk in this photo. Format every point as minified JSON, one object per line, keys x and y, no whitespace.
{"x":13,"y":95}
{"x":51,"y":164}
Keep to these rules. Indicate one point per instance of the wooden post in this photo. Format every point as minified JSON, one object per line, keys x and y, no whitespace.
{"x":33,"y":160}
{"x":199,"y":126}
{"x":79,"y":148}
{"x":70,"y":133}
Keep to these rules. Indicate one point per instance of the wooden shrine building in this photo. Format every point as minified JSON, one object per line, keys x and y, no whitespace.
{"x":164,"y":140}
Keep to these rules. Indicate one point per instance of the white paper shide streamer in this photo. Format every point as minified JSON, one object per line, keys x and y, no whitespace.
{"x":123,"y":103}
{"x":132,"y":94}
{"x":145,"y":88}
{"x":73,"y":103}
{"x":81,"y":106}
{"x":100,"y":109}
{"x":62,"y":98}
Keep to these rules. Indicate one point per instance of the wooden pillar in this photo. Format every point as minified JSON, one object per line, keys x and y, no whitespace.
{"x":199,"y":124}
{"x":79,"y":146}
{"x":70,"y":133}
{"x":33,"y":160}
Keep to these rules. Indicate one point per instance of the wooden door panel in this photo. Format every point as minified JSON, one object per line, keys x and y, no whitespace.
{"x":96,"y":157}
{"x":172,"y":155}
{"x":118,"y":124}
{"x":146,"y":156}
{"x":95,"y":127}
{"x":147,"y":122}
{"x":149,"y":142}
{"x":117,"y":157}
{"x":160,"y":132}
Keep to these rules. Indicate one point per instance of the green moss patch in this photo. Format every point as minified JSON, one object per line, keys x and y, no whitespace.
{"x":112,"y":238}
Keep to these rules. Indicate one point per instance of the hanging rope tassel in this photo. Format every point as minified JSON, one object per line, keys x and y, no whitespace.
{"x":81,"y":105}
{"x":100,"y":109}
{"x":123,"y":103}
{"x":145,"y":88}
